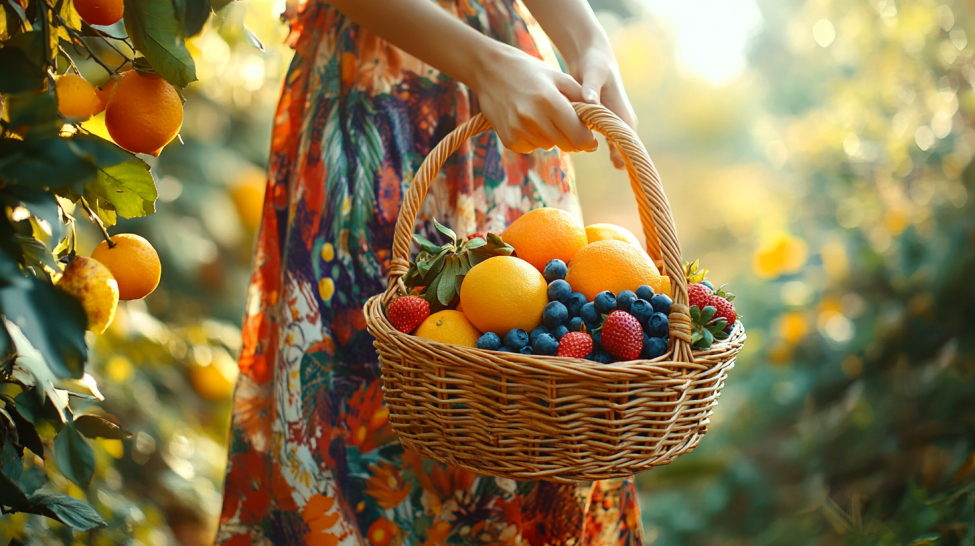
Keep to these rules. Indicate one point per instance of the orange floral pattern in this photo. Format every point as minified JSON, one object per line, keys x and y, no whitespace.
{"x":313,"y":459}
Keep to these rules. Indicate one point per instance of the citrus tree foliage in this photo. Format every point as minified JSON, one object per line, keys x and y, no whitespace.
{"x":48,"y":163}
{"x":852,"y":418}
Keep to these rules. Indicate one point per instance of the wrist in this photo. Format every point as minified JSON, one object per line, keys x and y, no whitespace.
{"x":483,"y":65}
{"x":577,"y":45}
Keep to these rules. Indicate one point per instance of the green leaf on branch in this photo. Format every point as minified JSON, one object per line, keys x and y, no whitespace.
{"x":101,"y":425}
{"x":68,"y":510}
{"x":58,"y":339}
{"x":26,"y":433}
{"x":43,"y":205}
{"x":156,"y":32}
{"x":35,"y":254}
{"x":19,"y":72}
{"x":192,"y":15}
{"x":11,"y":495}
{"x":45,"y":163}
{"x":103,"y":209}
{"x":128,"y":187}
{"x":28,"y":109}
{"x":74,"y":456}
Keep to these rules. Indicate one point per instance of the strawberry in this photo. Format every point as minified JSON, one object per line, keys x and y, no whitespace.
{"x":407,"y":312}
{"x":622,"y":335}
{"x":725,"y":309}
{"x":575,"y":345}
{"x":477,"y":235}
{"x":698,"y":294}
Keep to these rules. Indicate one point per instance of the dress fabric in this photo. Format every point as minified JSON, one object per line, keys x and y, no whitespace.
{"x":312,"y":457}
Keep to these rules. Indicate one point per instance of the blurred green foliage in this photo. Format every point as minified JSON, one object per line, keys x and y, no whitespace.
{"x":830,"y":183}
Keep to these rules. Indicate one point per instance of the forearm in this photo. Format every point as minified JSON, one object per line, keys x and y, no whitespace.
{"x":570,"y":24}
{"x":426,"y":31}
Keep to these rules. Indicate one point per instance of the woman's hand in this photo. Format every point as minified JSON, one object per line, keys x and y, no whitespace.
{"x":596,"y":69}
{"x":527,"y":102}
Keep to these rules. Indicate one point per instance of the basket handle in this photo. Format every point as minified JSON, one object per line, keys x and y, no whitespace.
{"x":655,"y":215}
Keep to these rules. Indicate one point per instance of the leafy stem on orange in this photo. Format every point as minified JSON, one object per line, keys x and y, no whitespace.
{"x":94,"y":218}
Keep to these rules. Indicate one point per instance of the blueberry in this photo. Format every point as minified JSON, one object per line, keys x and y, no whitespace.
{"x":708,"y":284}
{"x":545,"y":344}
{"x":661,"y":303}
{"x":555,"y":269}
{"x":597,"y":339}
{"x":605,"y":302}
{"x":516,"y":339}
{"x":625,"y":299}
{"x":559,"y":331}
{"x":559,"y":290}
{"x":505,"y":349}
{"x":654,"y":347}
{"x":489,"y":341}
{"x":575,"y":325}
{"x":590,"y":314}
{"x":658,"y":325}
{"x":537,"y":332}
{"x":642,"y":310}
{"x":555,"y":313}
{"x":645,"y":338}
{"x":604,"y":357}
{"x":644,"y":292}
{"x":576,"y":301}
{"x":526,"y":350}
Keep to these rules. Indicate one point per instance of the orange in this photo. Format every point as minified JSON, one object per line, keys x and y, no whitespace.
{"x":76,"y":97}
{"x":92,"y":283}
{"x":248,"y":196}
{"x":105,"y":93}
{"x":449,"y":327}
{"x":502,"y":293}
{"x":612,"y":265}
{"x":144,"y":114}
{"x":134,"y":264}
{"x":100,"y":12}
{"x":542,"y":235}
{"x":665,"y":286}
{"x":602,"y":232}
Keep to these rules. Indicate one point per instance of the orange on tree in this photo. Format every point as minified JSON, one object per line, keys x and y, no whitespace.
{"x":95,"y":287}
{"x":612,"y":265}
{"x":544,"y":234}
{"x":134,"y":264}
{"x":502,"y":293}
{"x":449,"y":326}
{"x":602,"y":232}
{"x":100,"y":12}
{"x":144,"y":114}
{"x":105,"y":93}
{"x":76,"y":97}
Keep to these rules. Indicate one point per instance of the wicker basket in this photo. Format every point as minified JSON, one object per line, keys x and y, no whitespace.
{"x":541,"y":417}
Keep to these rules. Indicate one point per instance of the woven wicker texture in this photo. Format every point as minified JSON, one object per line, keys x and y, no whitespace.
{"x":551,"y":418}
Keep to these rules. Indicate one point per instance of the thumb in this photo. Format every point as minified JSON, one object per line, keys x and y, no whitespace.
{"x":593,"y":80}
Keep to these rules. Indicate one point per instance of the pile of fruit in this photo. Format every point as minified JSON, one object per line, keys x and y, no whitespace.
{"x":549,"y":286}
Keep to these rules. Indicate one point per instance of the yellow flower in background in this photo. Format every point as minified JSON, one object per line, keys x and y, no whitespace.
{"x":783,"y":255}
{"x":326,"y":288}
{"x":793,"y":326}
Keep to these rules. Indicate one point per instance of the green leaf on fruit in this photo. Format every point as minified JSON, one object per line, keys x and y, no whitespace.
{"x":446,"y":231}
{"x":157,"y":34}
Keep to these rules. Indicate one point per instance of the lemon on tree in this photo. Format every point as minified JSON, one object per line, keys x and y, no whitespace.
{"x":133,"y":262}
{"x":94,"y":286}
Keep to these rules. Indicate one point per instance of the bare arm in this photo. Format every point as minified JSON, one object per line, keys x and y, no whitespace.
{"x":526,"y":100}
{"x":573,"y":28}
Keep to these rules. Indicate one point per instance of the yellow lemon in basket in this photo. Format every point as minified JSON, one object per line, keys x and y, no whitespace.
{"x":611,"y":265}
{"x":449,"y":327}
{"x":542,"y":235}
{"x":602,"y":232}
{"x":503,"y":293}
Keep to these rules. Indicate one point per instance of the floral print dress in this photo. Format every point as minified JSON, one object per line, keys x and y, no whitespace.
{"x":313,"y":459}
